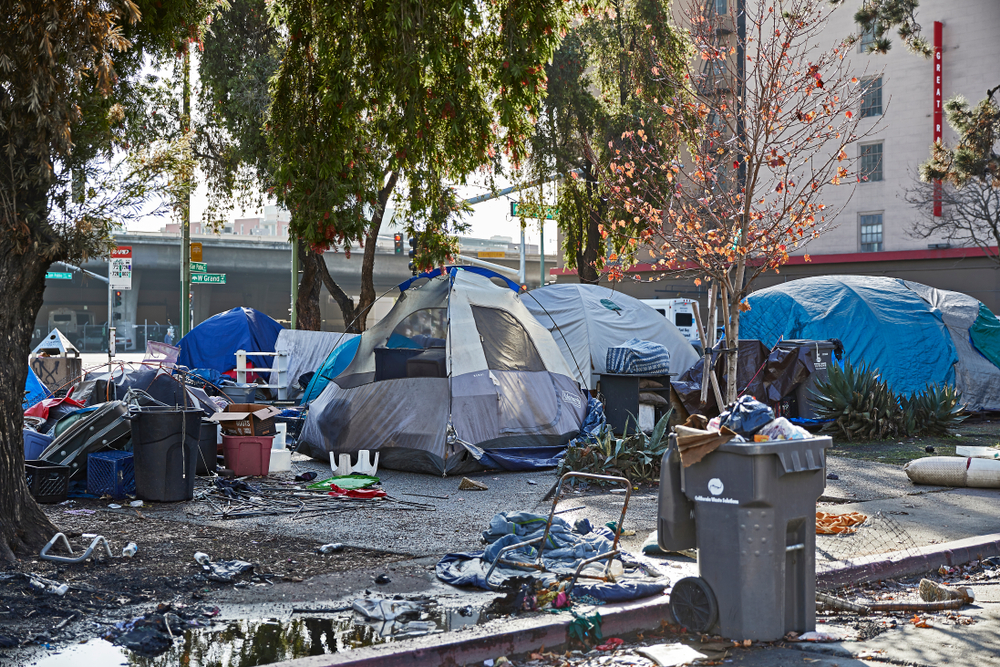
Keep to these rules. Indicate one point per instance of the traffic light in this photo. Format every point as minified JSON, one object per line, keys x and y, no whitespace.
{"x":397,"y":241}
{"x":118,"y":298}
{"x":413,"y":255}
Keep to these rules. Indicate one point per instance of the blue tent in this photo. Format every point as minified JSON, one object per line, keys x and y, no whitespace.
{"x":882,"y":321}
{"x":214,"y":342}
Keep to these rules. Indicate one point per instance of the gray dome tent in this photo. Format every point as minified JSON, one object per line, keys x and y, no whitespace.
{"x":585,"y":320}
{"x":460,"y":352}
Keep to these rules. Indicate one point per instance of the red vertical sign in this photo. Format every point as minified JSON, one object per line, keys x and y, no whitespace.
{"x":938,"y":106}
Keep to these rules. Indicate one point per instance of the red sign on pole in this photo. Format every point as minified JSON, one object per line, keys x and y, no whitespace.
{"x":122,"y":251}
{"x":938,"y":106}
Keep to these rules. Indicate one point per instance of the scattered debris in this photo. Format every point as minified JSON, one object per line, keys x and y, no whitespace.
{"x":225,"y":571}
{"x":671,"y":655}
{"x":931,"y":591}
{"x":836,"y":524}
{"x":331,"y":548}
{"x":471,"y":485}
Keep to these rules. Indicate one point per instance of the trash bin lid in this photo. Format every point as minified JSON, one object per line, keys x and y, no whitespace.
{"x":795,"y":455}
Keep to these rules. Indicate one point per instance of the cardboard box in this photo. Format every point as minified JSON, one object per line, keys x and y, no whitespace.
{"x":247,"y":419}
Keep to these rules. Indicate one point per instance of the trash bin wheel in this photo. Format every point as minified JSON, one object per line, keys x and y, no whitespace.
{"x":693,"y":604}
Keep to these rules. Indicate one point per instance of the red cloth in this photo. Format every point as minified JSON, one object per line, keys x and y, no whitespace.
{"x":41,"y":409}
{"x":251,"y":377}
{"x":357,"y":493}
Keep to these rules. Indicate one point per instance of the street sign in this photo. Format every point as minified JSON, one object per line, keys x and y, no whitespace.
{"x":491,"y":254}
{"x":196,"y":252}
{"x":519,"y":210}
{"x":58,"y":275}
{"x":208,"y":278}
{"x":120,"y":268}
{"x":199,"y":267}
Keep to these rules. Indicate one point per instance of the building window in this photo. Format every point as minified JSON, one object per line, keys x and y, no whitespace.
{"x":871,"y":163}
{"x":721,"y":7}
{"x":871,"y":100}
{"x":871,"y":232}
{"x":867,"y":40}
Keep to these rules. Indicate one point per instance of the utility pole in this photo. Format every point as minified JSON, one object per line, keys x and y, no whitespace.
{"x":295,"y":280}
{"x":185,"y":300}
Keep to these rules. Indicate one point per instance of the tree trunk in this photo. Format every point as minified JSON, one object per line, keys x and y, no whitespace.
{"x":586,"y":255}
{"x":731,"y":307}
{"x":367,"y":298}
{"x":307,"y":303}
{"x":24,"y":528}
{"x":346,"y":303}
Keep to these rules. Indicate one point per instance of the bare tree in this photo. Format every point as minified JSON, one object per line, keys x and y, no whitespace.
{"x":768,"y":120}
{"x":970,"y":216}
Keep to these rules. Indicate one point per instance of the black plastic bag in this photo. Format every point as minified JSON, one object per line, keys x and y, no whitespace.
{"x":747,"y":416}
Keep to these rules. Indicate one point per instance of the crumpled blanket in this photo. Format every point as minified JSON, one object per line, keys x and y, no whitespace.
{"x":566,"y":546}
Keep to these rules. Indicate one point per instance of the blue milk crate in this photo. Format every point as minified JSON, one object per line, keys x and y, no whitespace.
{"x":111,"y":473}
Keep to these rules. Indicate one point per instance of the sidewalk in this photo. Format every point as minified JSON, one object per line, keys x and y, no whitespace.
{"x":947,"y":526}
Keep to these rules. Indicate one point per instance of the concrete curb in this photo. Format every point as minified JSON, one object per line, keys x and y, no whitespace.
{"x":476,"y":644}
{"x":519,"y":635}
{"x":908,"y":563}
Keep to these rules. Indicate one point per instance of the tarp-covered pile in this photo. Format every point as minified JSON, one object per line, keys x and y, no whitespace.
{"x":768,"y":375}
{"x":913,"y":334}
{"x":214,"y":342}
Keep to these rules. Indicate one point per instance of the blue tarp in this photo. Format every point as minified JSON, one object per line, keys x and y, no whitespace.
{"x":879,"y":320}
{"x":34,"y":390}
{"x":214,"y":342}
{"x":567,"y":546}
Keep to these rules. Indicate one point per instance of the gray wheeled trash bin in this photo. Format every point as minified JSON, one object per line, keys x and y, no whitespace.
{"x":750,"y":509}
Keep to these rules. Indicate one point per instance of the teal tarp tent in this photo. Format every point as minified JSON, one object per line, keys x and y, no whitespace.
{"x":914,"y":334}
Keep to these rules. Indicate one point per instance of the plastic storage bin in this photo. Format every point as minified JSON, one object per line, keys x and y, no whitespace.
{"x":248,"y":456}
{"x":164,"y":461}
{"x":240,"y":393}
{"x":111,"y":473}
{"x":751,"y":510}
{"x":34,"y":444}
{"x":47,"y":482}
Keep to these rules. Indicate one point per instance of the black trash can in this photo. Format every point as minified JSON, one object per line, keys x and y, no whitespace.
{"x":208,"y":448}
{"x":165,"y":449}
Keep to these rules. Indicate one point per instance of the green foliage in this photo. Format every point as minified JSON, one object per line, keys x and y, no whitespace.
{"x":240,"y":56}
{"x":635,"y":457}
{"x":609,"y":70}
{"x":863,"y":407}
{"x":426,"y":92}
{"x":879,"y":17}
{"x":935,"y":412}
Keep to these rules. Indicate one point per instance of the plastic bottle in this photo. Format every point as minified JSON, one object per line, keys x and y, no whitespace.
{"x":331,"y":548}
{"x":130,"y":550}
{"x":59,"y":590}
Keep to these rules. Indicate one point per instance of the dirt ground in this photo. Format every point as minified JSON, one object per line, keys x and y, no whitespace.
{"x":162,"y":571}
{"x":979,"y":433}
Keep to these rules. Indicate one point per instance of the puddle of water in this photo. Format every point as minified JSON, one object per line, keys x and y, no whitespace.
{"x":246,"y":643}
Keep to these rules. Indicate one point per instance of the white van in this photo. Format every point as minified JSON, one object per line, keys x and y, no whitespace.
{"x":681,"y":313}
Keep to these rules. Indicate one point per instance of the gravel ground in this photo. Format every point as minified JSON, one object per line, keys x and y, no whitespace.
{"x":455,"y":518}
{"x":867,"y":480}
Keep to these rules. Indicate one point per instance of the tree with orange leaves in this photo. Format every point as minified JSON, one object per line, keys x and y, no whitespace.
{"x":766,"y":115}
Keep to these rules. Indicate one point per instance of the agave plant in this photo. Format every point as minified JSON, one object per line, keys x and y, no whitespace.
{"x":936,"y":411}
{"x":860,"y":403}
{"x":636,"y":457}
